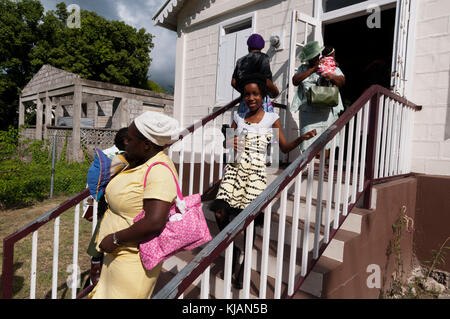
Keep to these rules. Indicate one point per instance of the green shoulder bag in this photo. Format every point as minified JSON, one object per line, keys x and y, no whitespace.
{"x":323,"y":96}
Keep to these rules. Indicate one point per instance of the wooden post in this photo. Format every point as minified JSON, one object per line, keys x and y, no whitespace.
{"x":58,"y":111}
{"x":48,"y":114}
{"x":21,"y":112}
{"x":124,"y":113}
{"x":7,"y":269}
{"x":76,"y":119}
{"x":38,"y":132}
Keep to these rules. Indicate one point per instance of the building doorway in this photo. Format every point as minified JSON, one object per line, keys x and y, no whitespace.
{"x":364,"y":54}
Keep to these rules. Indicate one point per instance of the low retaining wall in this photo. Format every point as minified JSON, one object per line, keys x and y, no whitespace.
{"x":432,"y":217}
{"x":371,"y":248}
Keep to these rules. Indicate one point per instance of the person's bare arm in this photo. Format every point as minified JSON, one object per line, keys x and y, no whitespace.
{"x":272,"y":89}
{"x":300,"y":77}
{"x":286,"y":146}
{"x":338,"y":80}
{"x":234,"y":84}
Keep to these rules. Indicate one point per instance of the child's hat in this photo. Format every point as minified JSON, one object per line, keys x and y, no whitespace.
{"x":256,"y":41}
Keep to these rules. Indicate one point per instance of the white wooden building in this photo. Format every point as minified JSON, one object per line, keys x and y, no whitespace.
{"x":403,"y":45}
{"x":407,"y":39}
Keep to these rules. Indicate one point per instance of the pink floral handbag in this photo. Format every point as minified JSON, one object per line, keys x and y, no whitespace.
{"x":185,"y":229}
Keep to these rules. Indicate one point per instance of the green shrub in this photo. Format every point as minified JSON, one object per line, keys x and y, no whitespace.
{"x":22,"y":184}
{"x":8,"y":143}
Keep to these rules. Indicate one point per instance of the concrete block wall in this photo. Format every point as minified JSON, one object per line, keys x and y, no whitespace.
{"x":200,"y":72}
{"x":134,"y":108}
{"x":47,"y":77}
{"x":430,"y":88}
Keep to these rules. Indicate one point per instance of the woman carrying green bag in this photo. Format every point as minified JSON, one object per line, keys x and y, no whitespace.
{"x":313,"y":115}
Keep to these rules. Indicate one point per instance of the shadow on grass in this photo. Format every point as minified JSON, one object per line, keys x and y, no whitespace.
{"x":66,"y":291}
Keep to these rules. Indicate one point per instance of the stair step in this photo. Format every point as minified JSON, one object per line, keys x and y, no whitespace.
{"x":192,"y":292}
{"x":354,"y":223}
{"x":312,"y":285}
{"x":335,"y":249}
{"x":302,"y":212}
{"x":175,"y":263}
{"x":273,"y":173}
{"x":303,"y":188}
{"x":351,"y":223}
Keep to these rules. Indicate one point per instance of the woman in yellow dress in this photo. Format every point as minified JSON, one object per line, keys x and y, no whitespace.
{"x":123,"y":275}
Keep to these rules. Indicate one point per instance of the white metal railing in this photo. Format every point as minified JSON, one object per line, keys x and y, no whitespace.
{"x":302,"y":213}
{"x":196,"y":136}
{"x":305,"y":205}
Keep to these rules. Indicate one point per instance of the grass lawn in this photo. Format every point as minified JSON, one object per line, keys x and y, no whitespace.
{"x":13,"y":220}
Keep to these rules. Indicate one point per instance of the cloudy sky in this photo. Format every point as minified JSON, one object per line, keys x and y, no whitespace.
{"x":139,"y":14}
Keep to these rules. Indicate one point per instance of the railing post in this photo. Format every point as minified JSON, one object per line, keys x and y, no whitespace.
{"x":371,"y":148}
{"x":8,"y":269}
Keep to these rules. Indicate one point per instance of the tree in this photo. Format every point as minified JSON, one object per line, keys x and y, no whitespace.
{"x":19,"y":32}
{"x":101,"y":50}
{"x":153,"y":86}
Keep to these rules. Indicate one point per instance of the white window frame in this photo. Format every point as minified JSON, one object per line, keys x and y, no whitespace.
{"x":351,"y":11}
{"x":222,"y":27}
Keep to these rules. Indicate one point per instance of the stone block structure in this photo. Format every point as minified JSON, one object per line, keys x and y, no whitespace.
{"x":86,"y":113}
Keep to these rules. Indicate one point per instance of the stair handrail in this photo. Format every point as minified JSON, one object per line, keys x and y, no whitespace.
{"x":209,"y":118}
{"x":186,"y":276}
{"x":10,"y":240}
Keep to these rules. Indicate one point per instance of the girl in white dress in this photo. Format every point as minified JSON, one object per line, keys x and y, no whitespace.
{"x":246,"y":178}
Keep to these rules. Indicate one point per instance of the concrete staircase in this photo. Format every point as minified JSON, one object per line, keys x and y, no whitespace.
{"x":314,"y":286}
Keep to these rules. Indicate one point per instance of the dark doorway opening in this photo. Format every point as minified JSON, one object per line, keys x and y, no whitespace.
{"x":364,"y":55}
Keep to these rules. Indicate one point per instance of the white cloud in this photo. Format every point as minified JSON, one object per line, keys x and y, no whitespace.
{"x":137,"y":13}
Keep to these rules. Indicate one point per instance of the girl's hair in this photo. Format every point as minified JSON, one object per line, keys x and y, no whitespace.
{"x":256,"y":78}
{"x":328,"y":50}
